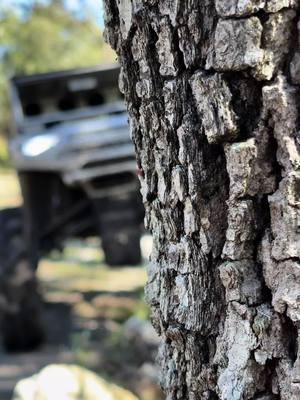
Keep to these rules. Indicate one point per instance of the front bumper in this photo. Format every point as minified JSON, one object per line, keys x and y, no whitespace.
{"x":85,"y":151}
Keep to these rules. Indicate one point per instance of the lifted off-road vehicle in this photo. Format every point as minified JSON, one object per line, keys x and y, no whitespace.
{"x":77,"y":172}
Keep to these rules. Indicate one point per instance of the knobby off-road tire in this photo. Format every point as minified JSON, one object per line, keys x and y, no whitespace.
{"x":20,"y":302}
{"x":122,"y":247}
{"x":120,"y":231}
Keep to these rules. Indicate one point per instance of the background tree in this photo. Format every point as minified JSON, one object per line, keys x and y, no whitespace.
{"x":213,"y":97}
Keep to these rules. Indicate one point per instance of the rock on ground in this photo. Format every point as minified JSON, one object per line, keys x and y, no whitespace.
{"x":68,"y":382}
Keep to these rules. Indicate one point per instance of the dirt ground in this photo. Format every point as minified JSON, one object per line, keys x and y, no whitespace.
{"x":95,"y":316}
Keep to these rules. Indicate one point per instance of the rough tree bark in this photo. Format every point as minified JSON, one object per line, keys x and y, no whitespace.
{"x":212,"y":89}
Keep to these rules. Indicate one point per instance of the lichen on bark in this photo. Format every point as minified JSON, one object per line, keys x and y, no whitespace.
{"x":213,"y":98}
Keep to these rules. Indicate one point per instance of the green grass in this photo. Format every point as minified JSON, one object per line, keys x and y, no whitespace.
{"x":4,"y":161}
{"x":81,"y":267}
{"x":10,"y":195}
{"x":80,"y":275}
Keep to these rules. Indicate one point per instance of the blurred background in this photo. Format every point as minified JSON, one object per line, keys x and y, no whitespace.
{"x":95,"y":314}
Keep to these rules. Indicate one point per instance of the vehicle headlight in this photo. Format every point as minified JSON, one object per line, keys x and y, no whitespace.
{"x":39,"y":144}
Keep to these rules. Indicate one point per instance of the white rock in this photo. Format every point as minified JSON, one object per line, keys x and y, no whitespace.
{"x":68,"y":382}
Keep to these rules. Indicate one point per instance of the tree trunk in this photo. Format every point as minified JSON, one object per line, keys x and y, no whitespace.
{"x":213,"y":97}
